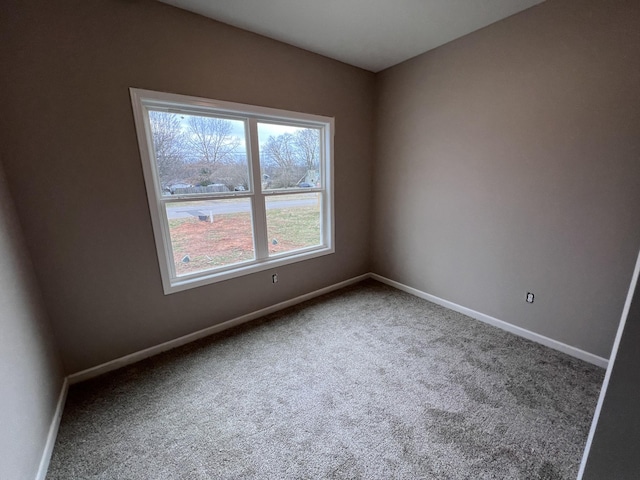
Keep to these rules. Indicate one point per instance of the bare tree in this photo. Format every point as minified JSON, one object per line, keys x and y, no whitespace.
{"x":168,"y":143}
{"x":235,"y":175}
{"x":307,"y":145}
{"x":281,"y":155}
{"x":211,"y":140}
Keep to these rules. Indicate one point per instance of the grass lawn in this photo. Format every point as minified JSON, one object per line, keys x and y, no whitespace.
{"x":229,"y":238}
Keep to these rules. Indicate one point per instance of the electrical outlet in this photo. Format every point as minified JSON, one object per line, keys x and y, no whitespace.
{"x":529,"y":297}
{"x":274,"y":278}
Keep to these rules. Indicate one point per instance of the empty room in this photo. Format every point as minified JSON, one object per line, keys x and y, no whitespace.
{"x":340,"y":239}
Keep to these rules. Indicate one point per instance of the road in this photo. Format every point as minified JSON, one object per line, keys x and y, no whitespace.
{"x":204,"y":208}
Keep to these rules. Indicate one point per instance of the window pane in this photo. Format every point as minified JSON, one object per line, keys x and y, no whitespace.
{"x":199,"y":154}
{"x":289,"y":156}
{"x":209,"y":234}
{"x":293,"y":221}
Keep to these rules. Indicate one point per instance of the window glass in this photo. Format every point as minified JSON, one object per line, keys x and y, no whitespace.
{"x":293,"y":222}
{"x":289,"y":156}
{"x":199,"y":154}
{"x":206,"y":234}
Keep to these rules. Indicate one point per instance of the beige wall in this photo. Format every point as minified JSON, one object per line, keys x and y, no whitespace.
{"x":30,"y":369}
{"x":73,"y":165}
{"x":508,"y":161}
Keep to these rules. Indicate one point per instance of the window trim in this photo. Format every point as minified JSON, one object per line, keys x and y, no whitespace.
{"x":142,"y":100}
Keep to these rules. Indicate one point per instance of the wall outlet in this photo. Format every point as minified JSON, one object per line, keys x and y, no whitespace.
{"x":274,"y":278}
{"x":529,"y":297}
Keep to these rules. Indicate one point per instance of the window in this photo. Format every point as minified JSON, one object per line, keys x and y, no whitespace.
{"x":233,"y":189}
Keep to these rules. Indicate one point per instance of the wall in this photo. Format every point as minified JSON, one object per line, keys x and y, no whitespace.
{"x":72,"y":161}
{"x":615,"y":445}
{"x":30,"y":369}
{"x":507,"y":162}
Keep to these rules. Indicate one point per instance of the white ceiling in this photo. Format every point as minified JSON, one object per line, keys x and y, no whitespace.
{"x":371,"y":34}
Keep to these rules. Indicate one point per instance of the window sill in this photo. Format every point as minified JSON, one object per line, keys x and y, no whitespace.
{"x":202,"y":279}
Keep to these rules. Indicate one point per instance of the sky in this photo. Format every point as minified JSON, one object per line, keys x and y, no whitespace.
{"x":265,"y":130}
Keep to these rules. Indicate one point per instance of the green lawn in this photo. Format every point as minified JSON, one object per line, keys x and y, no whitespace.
{"x":229,"y":239}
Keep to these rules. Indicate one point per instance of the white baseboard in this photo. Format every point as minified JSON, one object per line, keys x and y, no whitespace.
{"x":53,"y":432}
{"x":522,"y":332}
{"x":151,"y":351}
{"x":177,"y":342}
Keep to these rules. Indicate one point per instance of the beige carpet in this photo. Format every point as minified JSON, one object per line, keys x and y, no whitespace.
{"x":367,"y":382}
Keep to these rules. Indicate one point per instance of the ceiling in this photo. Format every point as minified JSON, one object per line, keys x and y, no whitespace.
{"x":370,"y":34}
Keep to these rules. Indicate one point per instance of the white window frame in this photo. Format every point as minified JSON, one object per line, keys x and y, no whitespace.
{"x":144,"y":100}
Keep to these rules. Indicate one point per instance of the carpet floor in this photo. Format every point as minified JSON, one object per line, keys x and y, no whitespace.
{"x":366,"y":382}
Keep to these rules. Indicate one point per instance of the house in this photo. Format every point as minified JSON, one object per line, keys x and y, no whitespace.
{"x":504,"y":162}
